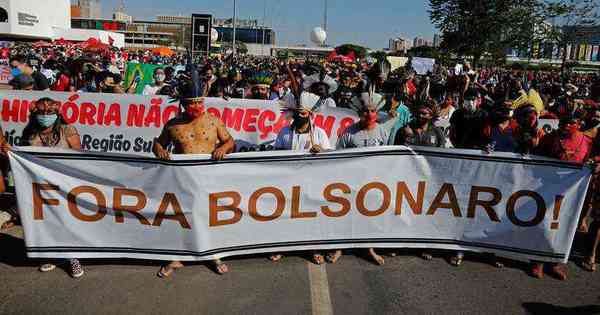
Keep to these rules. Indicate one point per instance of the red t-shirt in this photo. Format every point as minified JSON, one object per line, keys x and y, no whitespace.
{"x":573,"y":149}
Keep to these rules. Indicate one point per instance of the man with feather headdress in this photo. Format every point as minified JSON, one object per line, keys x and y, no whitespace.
{"x":194,"y":131}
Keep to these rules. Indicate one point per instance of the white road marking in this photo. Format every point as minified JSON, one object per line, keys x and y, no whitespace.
{"x":319,"y":290}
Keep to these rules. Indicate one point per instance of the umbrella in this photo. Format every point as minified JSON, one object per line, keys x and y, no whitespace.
{"x":62,"y":42}
{"x":94,"y":45}
{"x":163,"y":51}
{"x":41,"y":44}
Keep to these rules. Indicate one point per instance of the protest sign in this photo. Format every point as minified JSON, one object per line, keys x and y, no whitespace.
{"x":422,"y":65}
{"x":98,"y":205}
{"x":5,"y":74}
{"x":123,"y":123}
{"x":397,"y":62}
{"x":142,"y":72}
{"x":548,"y":125}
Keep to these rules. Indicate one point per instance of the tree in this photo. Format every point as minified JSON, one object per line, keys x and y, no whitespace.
{"x":359,"y":51}
{"x":476,"y":27}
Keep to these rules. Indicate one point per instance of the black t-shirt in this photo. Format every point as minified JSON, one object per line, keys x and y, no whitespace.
{"x":40,"y":82}
{"x":468,"y":129}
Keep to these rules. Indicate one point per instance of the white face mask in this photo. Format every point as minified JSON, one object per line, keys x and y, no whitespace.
{"x":159,"y":78}
{"x":470,"y":105}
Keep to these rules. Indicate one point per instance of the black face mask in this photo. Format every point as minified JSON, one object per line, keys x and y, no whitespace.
{"x":300,"y":121}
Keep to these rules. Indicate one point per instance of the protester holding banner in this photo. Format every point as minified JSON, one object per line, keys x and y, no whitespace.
{"x":193,"y":132}
{"x":303,"y":136}
{"x":47,"y":128}
{"x":366,"y":133}
{"x":567,"y":144}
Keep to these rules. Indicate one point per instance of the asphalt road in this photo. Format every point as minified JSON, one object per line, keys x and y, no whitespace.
{"x":406,"y":284}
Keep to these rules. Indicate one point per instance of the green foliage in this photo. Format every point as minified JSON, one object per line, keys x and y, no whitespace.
{"x":379,"y":55}
{"x":475,"y":27}
{"x":345,"y":49}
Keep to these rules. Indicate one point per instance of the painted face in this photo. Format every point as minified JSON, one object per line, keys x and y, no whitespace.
{"x":369,"y":117}
{"x":195,"y":109}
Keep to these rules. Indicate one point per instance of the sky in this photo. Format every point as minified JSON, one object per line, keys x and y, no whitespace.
{"x":368,"y":23}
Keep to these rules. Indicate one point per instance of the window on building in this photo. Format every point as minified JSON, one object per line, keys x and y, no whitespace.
{"x":3,"y":16}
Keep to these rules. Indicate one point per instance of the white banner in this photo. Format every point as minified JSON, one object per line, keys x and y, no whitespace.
{"x":86,"y":205}
{"x":126,"y":123}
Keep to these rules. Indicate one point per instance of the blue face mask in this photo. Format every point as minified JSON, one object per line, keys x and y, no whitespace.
{"x":15,"y":72}
{"x":47,"y":120}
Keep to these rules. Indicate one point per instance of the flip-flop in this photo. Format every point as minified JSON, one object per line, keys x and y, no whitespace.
{"x":588,"y":265}
{"x":456,"y":261}
{"x":165,"y":272}
{"x":427,"y":256}
{"x":7,"y":225}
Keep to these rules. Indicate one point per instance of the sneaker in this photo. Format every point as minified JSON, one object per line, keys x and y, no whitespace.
{"x":47,"y":267}
{"x":537,"y":271}
{"x":560,"y":271}
{"x":76,"y":269}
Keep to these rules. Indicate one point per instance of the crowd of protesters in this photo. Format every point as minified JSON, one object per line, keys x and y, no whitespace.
{"x":486,"y":109}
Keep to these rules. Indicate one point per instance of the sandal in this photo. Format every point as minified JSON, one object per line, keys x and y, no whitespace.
{"x":275,"y":258}
{"x":318,"y":259}
{"x":167,"y":270}
{"x":7,"y":225}
{"x":47,"y":267}
{"x":589,"y":265}
{"x":220,"y":267}
{"x":456,"y":261}
{"x":333,"y":257}
{"x":426,"y":256}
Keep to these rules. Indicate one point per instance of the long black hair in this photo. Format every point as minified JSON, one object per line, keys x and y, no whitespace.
{"x":33,"y":126}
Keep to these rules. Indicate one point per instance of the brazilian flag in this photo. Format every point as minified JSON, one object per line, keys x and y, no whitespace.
{"x":142,"y":70}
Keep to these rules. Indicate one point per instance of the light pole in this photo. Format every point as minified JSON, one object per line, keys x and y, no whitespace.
{"x":234,"y":18}
{"x":325,"y":17}
{"x":325,"y":22}
{"x":262,"y":49}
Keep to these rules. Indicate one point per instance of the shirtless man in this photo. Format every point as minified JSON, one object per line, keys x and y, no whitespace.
{"x":194,"y":132}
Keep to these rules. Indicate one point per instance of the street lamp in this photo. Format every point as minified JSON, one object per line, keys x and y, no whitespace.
{"x":234,"y":18}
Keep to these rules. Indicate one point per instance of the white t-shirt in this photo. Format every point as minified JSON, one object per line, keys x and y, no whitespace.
{"x":152,"y":89}
{"x":287,"y":139}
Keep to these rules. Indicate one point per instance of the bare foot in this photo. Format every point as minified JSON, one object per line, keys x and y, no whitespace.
{"x":220,"y":267}
{"x":333,"y":257}
{"x":318,"y":259}
{"x":378,"y":259}
{"x":168,"y":270}
{"x":275,"y":258}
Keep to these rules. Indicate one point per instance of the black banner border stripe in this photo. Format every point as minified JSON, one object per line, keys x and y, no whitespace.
{"x":306,"y":157}
{"x":67,"y":249}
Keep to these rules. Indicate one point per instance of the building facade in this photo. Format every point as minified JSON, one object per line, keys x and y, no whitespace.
{"x":418,"y":42}
{"x":399,"y":45}
{"x":583,"y":47}
{"x":91,"y":9}
{"x":175,"y":32}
